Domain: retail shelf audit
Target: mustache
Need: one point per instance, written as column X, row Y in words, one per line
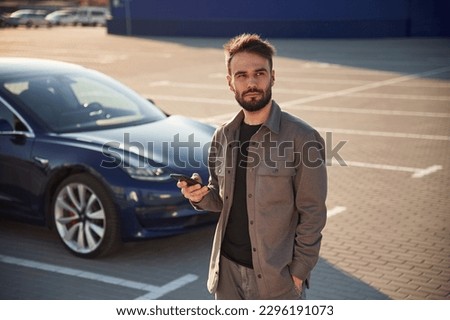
column 253, row 91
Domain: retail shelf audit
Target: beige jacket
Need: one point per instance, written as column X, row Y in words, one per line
column 286, row 192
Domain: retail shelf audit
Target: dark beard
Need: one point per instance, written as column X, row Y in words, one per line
column 255, row 105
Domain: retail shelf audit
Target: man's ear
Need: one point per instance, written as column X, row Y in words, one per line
column 272, row 80
column 229, row 83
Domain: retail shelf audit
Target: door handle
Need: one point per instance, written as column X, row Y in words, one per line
column 43, row 162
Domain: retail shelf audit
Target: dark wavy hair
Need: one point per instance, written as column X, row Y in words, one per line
column 248, row 43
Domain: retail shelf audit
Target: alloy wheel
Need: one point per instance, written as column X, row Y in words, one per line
column 80, row 218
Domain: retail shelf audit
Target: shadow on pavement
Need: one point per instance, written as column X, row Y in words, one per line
column 330, row 283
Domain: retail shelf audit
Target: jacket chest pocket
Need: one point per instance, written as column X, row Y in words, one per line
column 275, row 184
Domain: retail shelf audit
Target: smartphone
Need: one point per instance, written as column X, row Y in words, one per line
column 181, row 177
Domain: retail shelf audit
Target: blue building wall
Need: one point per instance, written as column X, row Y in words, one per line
column 281, row 18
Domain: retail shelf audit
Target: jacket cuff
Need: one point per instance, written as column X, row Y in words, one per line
column 300, row 271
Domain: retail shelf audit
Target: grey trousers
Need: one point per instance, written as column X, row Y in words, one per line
column 237, row 282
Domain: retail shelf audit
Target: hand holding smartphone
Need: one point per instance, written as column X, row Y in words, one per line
column 181, row 177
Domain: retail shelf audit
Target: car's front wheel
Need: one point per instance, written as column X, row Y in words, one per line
column 85, row 216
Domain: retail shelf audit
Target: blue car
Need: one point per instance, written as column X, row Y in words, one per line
column 92, row 159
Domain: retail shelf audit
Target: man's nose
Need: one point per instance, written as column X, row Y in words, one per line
column 252, row 82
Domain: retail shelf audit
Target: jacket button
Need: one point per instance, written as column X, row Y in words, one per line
column 259, row 276
column 251, row 222
column 250, row 195
column 254, row 249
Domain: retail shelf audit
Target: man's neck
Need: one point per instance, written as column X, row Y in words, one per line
column 257, row 117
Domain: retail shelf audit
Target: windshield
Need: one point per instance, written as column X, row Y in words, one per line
column 81, row 101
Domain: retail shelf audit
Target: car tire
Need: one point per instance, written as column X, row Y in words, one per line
column 85, row 217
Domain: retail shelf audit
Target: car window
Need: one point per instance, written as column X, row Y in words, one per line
column 81, row 102
column 6, row 119
column 17, row 86
column 9, row 121
column 90, row 91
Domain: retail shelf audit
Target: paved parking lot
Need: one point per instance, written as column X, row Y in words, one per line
column 383, row 106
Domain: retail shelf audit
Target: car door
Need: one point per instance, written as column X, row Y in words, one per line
column 16, row 142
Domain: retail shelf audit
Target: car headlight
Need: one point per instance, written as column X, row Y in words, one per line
column 146, row 173
column 135, row 165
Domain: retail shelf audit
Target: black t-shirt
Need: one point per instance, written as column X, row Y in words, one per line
column 236, row 244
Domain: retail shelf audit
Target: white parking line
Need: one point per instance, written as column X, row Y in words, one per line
column 154, row 292
column 416, row 172
column 400, row 96
column 313, row 93
column 357, row 82
column 371, row 111
column 169, row 287
column 359, row 72
column 372, row 85
column 191, row 99
column 219, row 119
column 336, row 210
column 300, row 107
column 386, row 134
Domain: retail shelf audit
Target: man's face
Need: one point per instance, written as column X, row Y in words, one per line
column 251, row 80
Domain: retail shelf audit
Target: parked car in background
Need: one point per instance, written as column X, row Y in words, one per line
column 63, row 17
column 93, row 16
column 29, row 18
column 89, row 157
